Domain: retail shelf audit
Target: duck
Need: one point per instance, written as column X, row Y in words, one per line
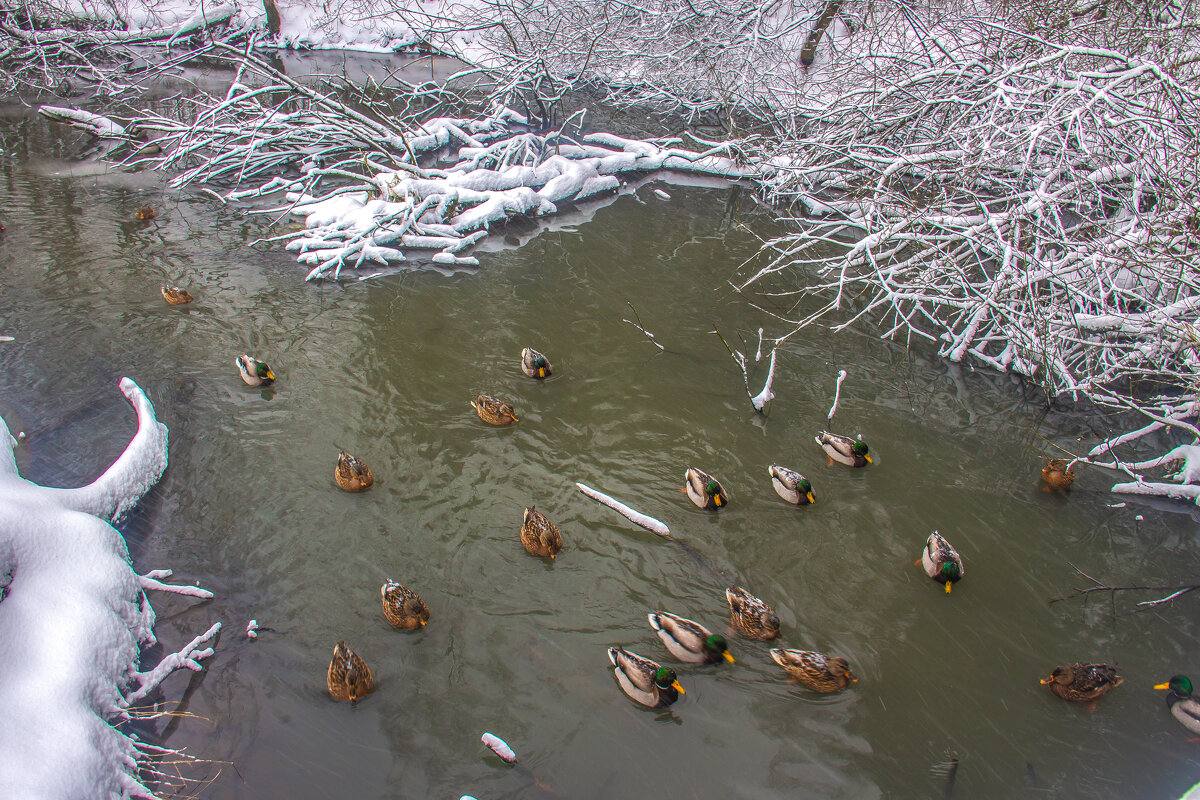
column 751, row 617
column 494, row 411
column 176, row 296
column 144, row 213
column 1184, row 707
column 349, row 677
column 1083, row 681
column 403, row 607
column 704, row 490
column 791, row 485
column 254, row 372
column 644, row 681
column 351, row 474
column 817, row 671
column 941, row 561
column 1057, row 476
column 689, row 641
column 534, row 364
column 843, row 449
column 539, row 535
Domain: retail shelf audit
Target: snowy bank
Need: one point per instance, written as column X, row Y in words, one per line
column 73, row 619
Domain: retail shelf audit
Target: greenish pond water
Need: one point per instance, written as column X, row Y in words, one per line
column 516, row 646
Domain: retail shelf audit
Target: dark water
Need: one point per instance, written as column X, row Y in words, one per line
column 516, row 646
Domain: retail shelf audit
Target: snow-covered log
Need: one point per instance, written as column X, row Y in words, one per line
column 73, row 618
column 95, row 124
column 636, row 517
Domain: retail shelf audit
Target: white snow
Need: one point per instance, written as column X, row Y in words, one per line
column 499, row 747
column 760, row 400
column 73, row 618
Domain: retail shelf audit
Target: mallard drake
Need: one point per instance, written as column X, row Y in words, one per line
column 351, row 474
column 751, row 617
column 689, row 641
column 176, row 296
column 644, row 681
column 534, row 364
column 791, row 485
column 843, row 449
column 254, row 372
column 349, row 677
column 817, row 671
column 704, row 490
column 144, row 213
column 941, row 561
column 403, row 607
column 1184, row 707
column 493, row 411
column 1083, row 681
column 1057, row 476
column 539, row 535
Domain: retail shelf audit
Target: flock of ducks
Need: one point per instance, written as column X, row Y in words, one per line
column 648, row 682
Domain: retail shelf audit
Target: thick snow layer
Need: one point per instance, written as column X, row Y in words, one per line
column 73, row 617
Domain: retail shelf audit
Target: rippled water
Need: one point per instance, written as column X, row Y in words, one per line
column 516, row 646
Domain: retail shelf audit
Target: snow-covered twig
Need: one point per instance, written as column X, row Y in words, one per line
column 189, row 656
column 150, row 581
column 638, row 325
column 760, row 400
column 837, row 391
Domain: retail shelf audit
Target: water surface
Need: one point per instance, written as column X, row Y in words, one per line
column 386, row 367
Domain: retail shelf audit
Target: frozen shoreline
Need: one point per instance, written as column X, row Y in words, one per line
column 74, row 618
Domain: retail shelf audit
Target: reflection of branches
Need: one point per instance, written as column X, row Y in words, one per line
column 1174, row 591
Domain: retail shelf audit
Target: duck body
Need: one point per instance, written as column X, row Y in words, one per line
column 254, row 372
column 494, row 411
column 351, row 474
column 704, row 490
column 1083, row 682
column 791, row 485
column 843, row 449
column 534, row 364
column 942, row 562
column 1057, row 476
column 176, row 296
column 403, row 607
column 1183, row 707
column 349, row 677
column 689, row 641
column 750, row 616
column 539, row 535
column 644, row 681
column 817, row 671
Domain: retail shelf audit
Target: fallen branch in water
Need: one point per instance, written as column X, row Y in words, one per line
column 1174, row 591
column 638, row 325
